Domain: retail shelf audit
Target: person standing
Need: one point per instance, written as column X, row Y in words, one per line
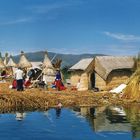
column 58, row 79
column 19, row 78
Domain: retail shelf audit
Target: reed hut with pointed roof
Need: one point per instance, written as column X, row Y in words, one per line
column 11, row 66
column 23, row 61
column 48, row 69
column 103, row 72
column 11, row 62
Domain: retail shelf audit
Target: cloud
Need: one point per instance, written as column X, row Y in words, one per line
column 123, row 37
column 35, row 12
column 17, row 21
column 47, row 8
column 43, row 9
column 119, row 49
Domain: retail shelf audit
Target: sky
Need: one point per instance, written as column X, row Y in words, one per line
column 109, row 27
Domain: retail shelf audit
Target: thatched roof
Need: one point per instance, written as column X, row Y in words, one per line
column 11, row 63
column 48, row 68
column 82, row 64
column 105, row 64
column 23, row 62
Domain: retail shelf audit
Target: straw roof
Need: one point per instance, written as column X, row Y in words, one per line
column 105, row 64
column 82, row 64
column 48, row 68
column 11, row 63
column 47, row 62
column 23, row 62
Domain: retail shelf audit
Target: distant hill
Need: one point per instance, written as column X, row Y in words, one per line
column 67, row 59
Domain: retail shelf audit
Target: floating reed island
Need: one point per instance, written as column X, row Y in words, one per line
column 36, row 98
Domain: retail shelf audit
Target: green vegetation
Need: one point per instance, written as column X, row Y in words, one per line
column 66, row 72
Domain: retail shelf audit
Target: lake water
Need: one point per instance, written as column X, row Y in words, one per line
column 102, row 123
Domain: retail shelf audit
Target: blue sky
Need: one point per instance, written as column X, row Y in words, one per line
column 70, row 26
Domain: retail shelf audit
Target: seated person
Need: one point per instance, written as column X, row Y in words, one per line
column 41, row 84
column 54, row 85
column 27, row 82
column 14, row 84
column 3, row 74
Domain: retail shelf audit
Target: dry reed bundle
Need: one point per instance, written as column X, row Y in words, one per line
column 132, row 90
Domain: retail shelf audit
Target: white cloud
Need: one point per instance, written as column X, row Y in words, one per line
column 123, row 37
column 117, row 49
column 47, row 8
column 17, row 21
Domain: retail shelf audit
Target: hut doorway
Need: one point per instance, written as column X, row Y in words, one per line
column 92, row 80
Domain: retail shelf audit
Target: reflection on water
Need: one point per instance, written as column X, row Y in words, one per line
column 106, row 119
column 20, row 116
column 113, row 119
column 58, row 112
column 101, row 123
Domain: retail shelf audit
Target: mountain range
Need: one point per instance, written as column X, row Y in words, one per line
column 67, row 59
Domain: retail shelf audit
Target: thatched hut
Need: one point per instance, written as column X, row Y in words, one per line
column 24, row 62
column 48, row 69
column 11, row 65
column 80, row 72
column 103, row 72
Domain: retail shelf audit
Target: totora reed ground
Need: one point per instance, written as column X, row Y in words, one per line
column 37, row 98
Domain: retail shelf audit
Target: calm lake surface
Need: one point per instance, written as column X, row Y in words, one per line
column 102, row 123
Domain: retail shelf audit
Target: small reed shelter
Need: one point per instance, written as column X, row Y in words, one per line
column 102, row 72
column 23, row 61
column 48, row 69
column 11, row 62
column 11, row 65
